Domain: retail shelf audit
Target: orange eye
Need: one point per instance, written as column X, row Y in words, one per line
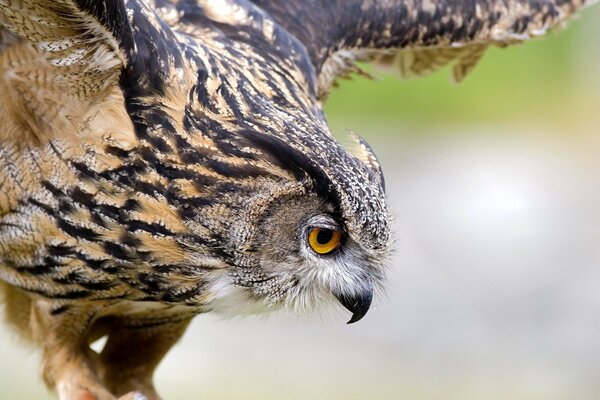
column 324, row 241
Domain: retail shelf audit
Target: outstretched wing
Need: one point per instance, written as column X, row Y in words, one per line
column 414, row 36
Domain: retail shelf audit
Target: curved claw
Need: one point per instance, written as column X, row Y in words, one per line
column 133, row 396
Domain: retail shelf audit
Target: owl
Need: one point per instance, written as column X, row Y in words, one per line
column 165, row 158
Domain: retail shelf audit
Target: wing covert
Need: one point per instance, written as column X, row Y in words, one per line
column 85, row 37
column 58, row 59
column 414, row 37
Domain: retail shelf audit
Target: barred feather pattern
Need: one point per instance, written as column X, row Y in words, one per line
column 417, row 37
column 131, row 194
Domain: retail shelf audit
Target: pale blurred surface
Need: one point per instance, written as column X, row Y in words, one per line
column 493, row 292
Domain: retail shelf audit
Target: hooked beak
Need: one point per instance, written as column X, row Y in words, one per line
column 358, row 304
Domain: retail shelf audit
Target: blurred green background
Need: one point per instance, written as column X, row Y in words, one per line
column 494, row 185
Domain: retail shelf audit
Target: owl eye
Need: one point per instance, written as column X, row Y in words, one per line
column 324, row 241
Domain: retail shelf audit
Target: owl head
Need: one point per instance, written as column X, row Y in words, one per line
column 316, row 230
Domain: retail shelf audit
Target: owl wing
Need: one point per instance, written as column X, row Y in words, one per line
column 59, row 60
column 414, row 37
column 86, row 40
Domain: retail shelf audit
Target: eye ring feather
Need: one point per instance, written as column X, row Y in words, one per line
column 324, row 241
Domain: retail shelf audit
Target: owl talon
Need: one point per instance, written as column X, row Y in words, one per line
column 133, row 396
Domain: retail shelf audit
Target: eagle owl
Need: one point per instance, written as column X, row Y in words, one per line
column 165, row 158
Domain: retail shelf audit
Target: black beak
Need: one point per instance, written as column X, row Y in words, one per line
column 359, row 304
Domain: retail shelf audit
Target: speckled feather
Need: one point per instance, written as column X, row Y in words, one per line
column 143, row 143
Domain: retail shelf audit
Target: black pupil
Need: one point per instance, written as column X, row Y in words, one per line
column 324, row 236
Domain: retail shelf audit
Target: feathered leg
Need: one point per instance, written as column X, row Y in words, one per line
column 132, row 353
column 68, row 364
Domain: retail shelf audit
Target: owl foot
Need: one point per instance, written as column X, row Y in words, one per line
column 86, row 394
column 133, row 396
column 79, row 391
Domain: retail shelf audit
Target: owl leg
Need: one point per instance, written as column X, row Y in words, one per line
column 68, row 364
column 132, row 353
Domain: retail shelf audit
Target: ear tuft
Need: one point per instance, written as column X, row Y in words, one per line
column 364, row 153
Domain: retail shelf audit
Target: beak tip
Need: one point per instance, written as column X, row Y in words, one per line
column 358, row 305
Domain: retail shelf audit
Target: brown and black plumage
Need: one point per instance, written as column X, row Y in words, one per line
column 160, row 159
